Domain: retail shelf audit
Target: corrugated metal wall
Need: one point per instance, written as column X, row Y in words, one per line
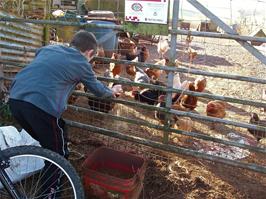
column 13, row 38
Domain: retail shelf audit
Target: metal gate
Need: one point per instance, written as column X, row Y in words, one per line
column 164, row 141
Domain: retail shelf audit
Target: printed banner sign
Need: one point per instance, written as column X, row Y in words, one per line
column 147, row 11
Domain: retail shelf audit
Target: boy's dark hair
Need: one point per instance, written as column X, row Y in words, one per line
column 84, row 40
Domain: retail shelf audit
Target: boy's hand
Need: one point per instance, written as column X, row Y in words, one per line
column 117, row 90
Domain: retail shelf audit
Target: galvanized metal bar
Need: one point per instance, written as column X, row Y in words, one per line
column 166, row 68
column 167, row 147
column 161, row 88
column 185, row 70
column 180, row 113
column 170, row 130
column 181, row 32
column 168, row 104
column 228, row 30
column 197, row 94
column 214, row 120
column 218, row 35
column 62, row 23
column 174, row 27
column 170, row 76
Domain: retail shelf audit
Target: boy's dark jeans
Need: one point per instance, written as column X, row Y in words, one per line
column 48, row 130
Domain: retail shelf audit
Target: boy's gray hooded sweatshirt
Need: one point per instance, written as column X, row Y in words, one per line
column 51, row 77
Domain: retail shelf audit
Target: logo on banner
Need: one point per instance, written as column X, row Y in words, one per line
column 136, row 7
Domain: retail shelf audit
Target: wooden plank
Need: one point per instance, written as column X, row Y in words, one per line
column 228, row 30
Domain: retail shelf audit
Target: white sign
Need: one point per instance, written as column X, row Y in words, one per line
column 148, row 11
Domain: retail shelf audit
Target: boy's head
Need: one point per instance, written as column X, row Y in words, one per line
column 85, row 42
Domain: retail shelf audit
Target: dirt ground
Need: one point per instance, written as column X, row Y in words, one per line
column 175, row 176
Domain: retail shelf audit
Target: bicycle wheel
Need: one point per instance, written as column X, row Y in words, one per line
column 34, row 170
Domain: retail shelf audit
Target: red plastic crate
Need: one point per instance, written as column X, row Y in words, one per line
column 113, row 174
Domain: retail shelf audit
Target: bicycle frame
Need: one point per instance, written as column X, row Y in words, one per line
column 5, row 180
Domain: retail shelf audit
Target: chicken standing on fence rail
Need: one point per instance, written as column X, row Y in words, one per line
column 254, row 119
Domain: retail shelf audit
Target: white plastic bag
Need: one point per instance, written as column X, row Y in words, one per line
column 19, row 168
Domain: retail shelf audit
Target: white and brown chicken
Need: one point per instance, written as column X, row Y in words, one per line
column 162, row 47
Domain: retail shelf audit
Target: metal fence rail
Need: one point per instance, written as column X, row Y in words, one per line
column 197, row 94
column 172, row 130
column 180, row 113
column 167, row 147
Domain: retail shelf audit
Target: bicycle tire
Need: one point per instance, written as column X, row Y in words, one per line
column 32, row 154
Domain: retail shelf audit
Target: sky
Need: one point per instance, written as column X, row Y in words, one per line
column 228, row 10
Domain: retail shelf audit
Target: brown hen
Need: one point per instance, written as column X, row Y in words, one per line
column 200, row 84
column 144, row 54
column 216, row 109
column 254, row 119
column 131, row 69
column 115, row 68
column 73, row 98
column 189, row 101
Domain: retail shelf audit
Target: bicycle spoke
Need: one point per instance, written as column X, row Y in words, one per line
column 41, row 175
